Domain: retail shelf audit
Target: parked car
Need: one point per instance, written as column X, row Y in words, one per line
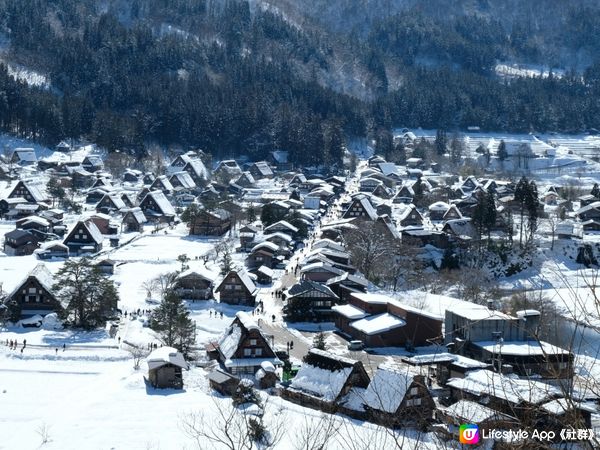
column 356, row 345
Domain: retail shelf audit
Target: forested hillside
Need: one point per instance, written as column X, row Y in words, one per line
column 236, row 77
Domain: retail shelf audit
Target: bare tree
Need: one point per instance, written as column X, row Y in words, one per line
column 229, row 427
column 138, row 354
column 315, row 433
column 44, row 432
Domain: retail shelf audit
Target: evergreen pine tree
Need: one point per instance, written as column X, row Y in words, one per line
column 441, row 141
column 172, row 322
column 502, row 153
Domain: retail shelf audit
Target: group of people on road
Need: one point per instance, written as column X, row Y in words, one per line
column 13, row 344
column 211, row 312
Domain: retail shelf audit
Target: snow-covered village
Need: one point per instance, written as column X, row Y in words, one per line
column 256, row 304
column 299, row 224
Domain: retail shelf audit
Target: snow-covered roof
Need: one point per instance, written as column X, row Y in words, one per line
column 205, row 274
column 323, row 383
column 198, row 168
column 43, row 276
column 513, row 390
column 161, row 201
column 25, row 154
column 278, row 235
column 93, row 231
column 265, row 244
column 475, row 312
column 349, row 311
column 247, row 281
column 184, row 179
column 229, row 341
column 304, row 286
column 369, row 297
column 560, row 406
column 266, row 271
column 247, row 321
column 165, row 355
column 388, row 388
column 379, row 323
column 472, row 412
column 521, row 348
column 439, row 207
column 323, row 267
column 282, row 223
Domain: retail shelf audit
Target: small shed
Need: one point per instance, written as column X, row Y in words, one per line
column 223, row 382
column 165, row 366
column 106, row 266
column 266, row 375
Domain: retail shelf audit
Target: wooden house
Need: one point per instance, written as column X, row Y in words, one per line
column 211, row 223
column 163, row 184
column 243, row 347
column 397, row 395
column 165, row 368
column 346, row 284
column 85, row 237
column 262, row 254
column 247, row 235
column 52, row 250
column 92, row 163
column 227, row 169
column 197, row 171
column 182, row 181
column 325, row 380
column 35, row 294
column 23, row 156
column 194, row 285
column 156, row 207
column 110, row 203
column 452, row 213
column 282, row 226
column 261, row 170
column 20, row 242
column 509, row 395
column 266, row 376
column 380, row 321
column 360, row 207
column 264, row 275
column 222, row 382
column 237, row 288
column 28, row 191
column 133, row 220
column 245, row 180
column 589, row 212
column 106, row 266
column 132, row 175
column 404, row 195
column 465, row 411
column 308, row 301
column 410, row 217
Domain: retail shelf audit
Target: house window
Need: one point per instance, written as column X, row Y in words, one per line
column 258, row 352
column 247, row 352
column 409, row 403
column 563, row 365
column 84, row 236
column 253, row 342
column 32, row 290
column 414, row 391
column 417, row 402
column 229, row 287
column 238, row 287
